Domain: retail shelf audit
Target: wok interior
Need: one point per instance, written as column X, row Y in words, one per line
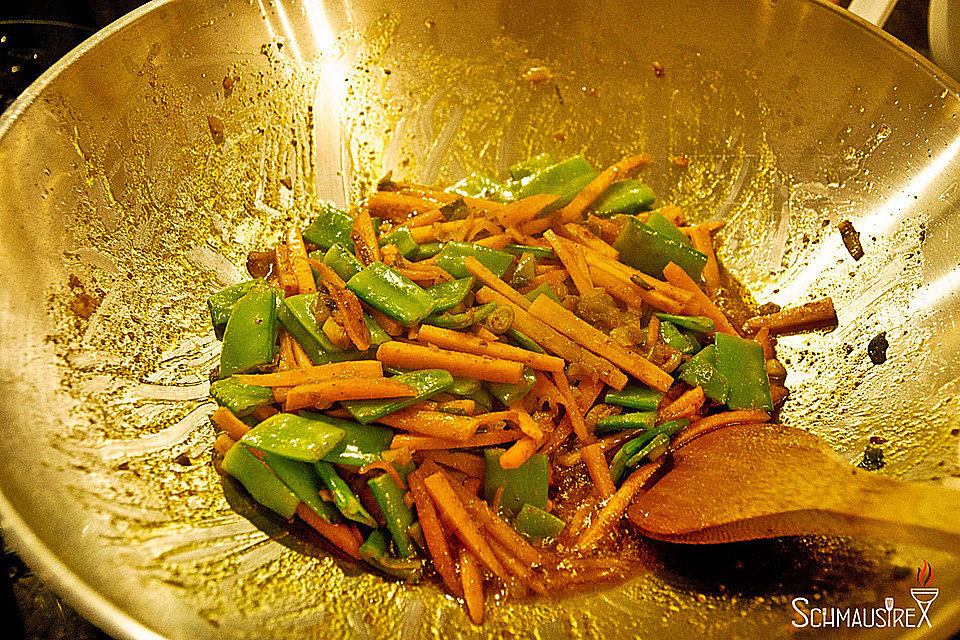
column 143, row 175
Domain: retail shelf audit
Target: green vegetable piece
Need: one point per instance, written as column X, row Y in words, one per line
column 427, row 250
column 524, row 341
column 375, row 553
column 546, row 290
column 221, row 304
column 427, row 382
column 451, row 258
column 534, row 522
column 643, row 248
column 293, row 436
column 297, row 315
column 701, row 371
column 660, row 440
column 666, row 228
column 346, row 500
column 303, row 480
column 377, row 335
column 402, row 239
column 361, row 443
column 624, row 196
column 699, row 324
column 399, row 516
column 531, row 166
column 632, row 448
column 468, row 318
column 330, row 227
column 250, row 339
column 635, row 397
column 522, row 249
column 472, row 390
column 559, row 179
column 527, row 484
column 395, row 295
column 240, row 398
column 342, row 261
column 449, row 294
column 265, row 487
column 478, row 185
column 510, row 392
column 640, row 420
column 741, row 363
column 672, row 337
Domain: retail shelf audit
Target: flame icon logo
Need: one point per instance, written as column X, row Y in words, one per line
column 924, row 574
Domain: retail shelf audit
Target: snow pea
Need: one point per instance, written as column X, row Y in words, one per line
column 262, row 484
column 698, row 324
column 510, row 392
column 342, row 261
column 293, row 436
column 536, row 523
column 249, row 341
column 530, row 166
column 449, row 294
column 346, row 500
column 526, row 270
column 468, row 318
column 402, row 239
column 672, row 336
column 395, row 295
column 221, row 304
column 523, row 341
column 331, row 226
column 546, row 290
column 297, row 314
column 303, row 480
column 628, row 196
column 741, row 362
column 701, row 371
column 638, row 420
column 374, row 552
column 633, row 451
column 361, row 443
column 527, row 484
column 399, row 516
column 427, row 382
column 427, row 250
column 451, row 258
column 472, row 390
column 520, row 249
column 565, row 179
column 666, row 228
column 649, row 251
column 635, row 397
column 240, row 398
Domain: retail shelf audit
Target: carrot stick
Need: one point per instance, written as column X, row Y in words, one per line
column 455, row 514
column 490, row 279
column 614, row 509
column 457, row 341
column 223, row 444
column 625, row 271
column 497, row 241
column 496, row 526
column 365, row 244
column 583, row 236
column 555, row 342
column 424, row 443
column 496, row 416
column 606, row 444
column 678, row 277
column 552, row 278
column 592, row 456
column 338, row 534
column 653, row 333
column 526, row 209
column 598, row 185
column 573, row 409
column 316, row 373
column 717, row 421
column 397, row 206
column 763, row 339
column 390, row 326
column 526, row 423
column 686, row 405
column 557, row 436
column 411, row 356
column 471, row 582
column 518, row 453
column 632, row 295
column 286, row 277
column 351, row 313
column 581, row 279
column 424, row 219
column 599, row 343
column 445, row 197
column 287, row 360
column 298, row 262
column 470, row 464
column 818, row 314
column 524, row 576
column 588, row 390
column 433, row 423
column 323, row 394
column 433, row 533
column 300, row 356
column 229, row 423
column 703, row 242
column 262, row 413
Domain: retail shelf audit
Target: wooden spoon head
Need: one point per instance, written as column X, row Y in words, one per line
column 747, row 482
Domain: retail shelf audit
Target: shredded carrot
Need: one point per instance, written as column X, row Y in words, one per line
column 456, row 341
column 365, row 245
column 717, row 421
column 424, row 219
column 496, row 416
column 685, row 406
column 653, row 333
column 626, row 291
column 316, row 373
column 339, row 535
column 287, row 360
column 286, row 277
column 298, row 262
column 524, row 575
column 497, row 241
column 558, row 436
column 703, row 242
column 385, row 466
column 470, row 464
column 262, row 413
column 223, row 444
column 483, row 333
column 497, row 527
column 300, row 356
column 490, row 279
column 423, row 443
column 229, row 423
column 433, row 534
column 397, row 207
column 583, row 236
column 526, row 209
column 593, row 458
column 763, row 339
column 615, row 507
column 445, row 197
column 464, row 406
column 553, row 278
column 471, row 581
column 323, row 394
column 526, row 423
column 573, row 409
column 598, row 185
column 454, row 512
column 581, row 278
column 390, row 326
column 518, row 453
column 588, row 391
column 433, row 423
column 567, row 323
column 280, row 394
column 678, row 277
column 818, row 314
column 412, row 356
column 351, row 313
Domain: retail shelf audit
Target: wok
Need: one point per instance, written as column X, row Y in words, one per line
column 135, row 177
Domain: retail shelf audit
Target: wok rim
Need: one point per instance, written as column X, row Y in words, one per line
column 57, row 575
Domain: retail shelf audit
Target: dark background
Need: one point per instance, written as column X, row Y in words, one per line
column 35, row 35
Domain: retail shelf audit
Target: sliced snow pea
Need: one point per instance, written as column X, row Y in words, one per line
column 427, row 382
column 427, row 250
column 395, row 295
column 265, row 487
column 346, row 500
column 297, row 314
column 222, row 303
column 523, row 341
column 639, row 420
column 302, row 479
column 342, row 261
column 449, row 294
column 521, row 249
column 510, row 392
column 250, row 339
column 468, row 318
column 742, row 364
column 699, row 324
column 293, row 436
column 634, row 450
column 451, row 258
column 240, row 398
column 374, row 552
column 527, row 484
column 643, row 248
column 331, row 226
column 546, row 290
column 399, row 516
column 536, row 523
column 635, row 397
column 402, row 239
column 628, row 196
column 664, row 227
column 564, row 179
column 530, row 166
column 361, row 443
column 672, row 336
column 701, row 371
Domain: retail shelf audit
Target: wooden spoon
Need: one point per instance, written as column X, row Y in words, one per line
column 765, row 481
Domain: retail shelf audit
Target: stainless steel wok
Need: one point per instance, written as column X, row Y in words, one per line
column 137, row 172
